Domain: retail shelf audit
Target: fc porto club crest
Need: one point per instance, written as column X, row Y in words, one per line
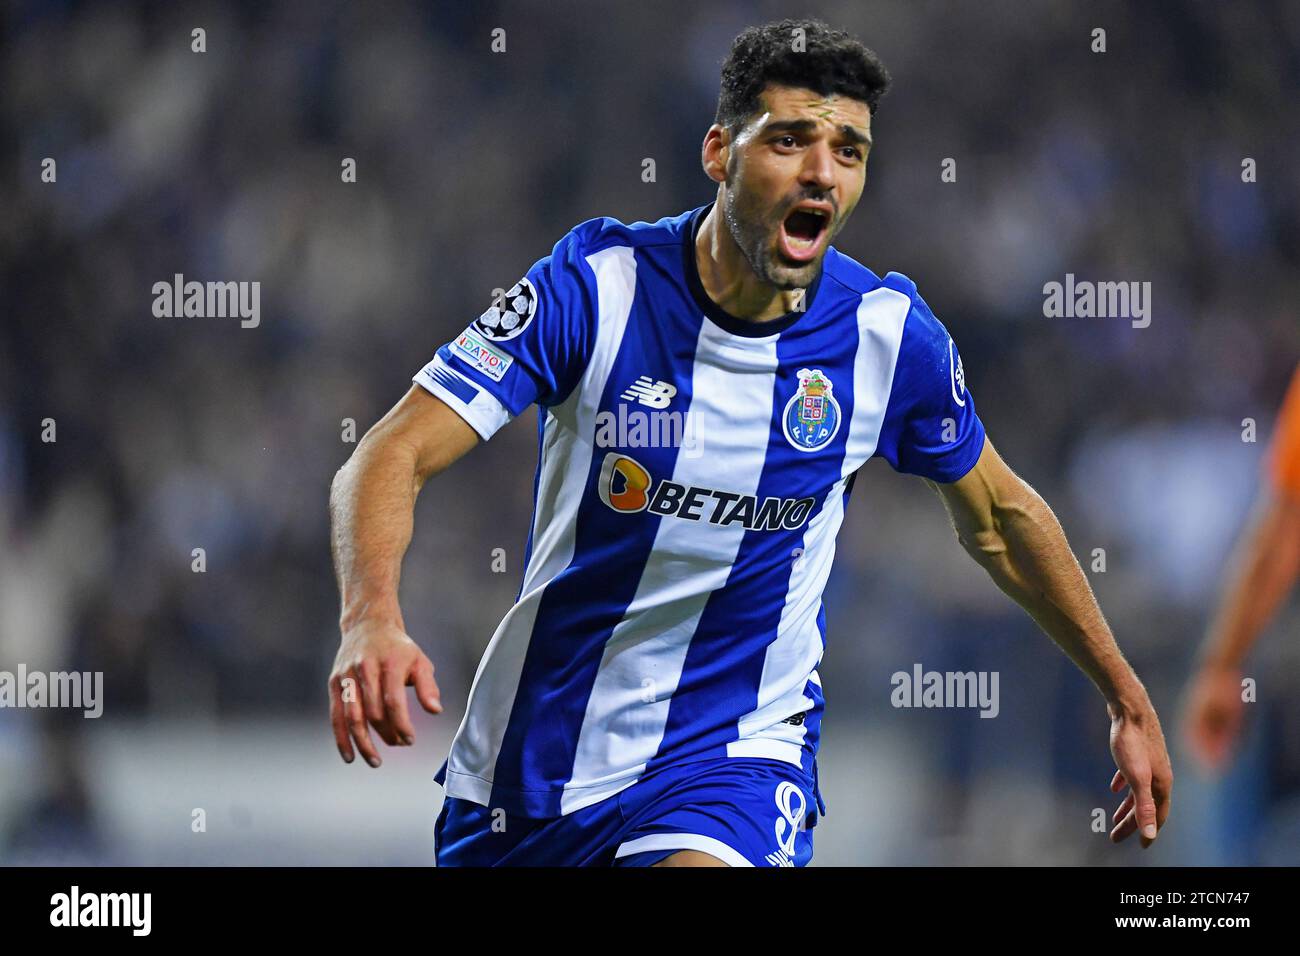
column 812, row 416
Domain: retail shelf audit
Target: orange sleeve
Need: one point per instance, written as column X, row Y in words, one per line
column 1283, row 461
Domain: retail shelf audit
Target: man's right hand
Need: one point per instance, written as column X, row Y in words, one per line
column 372, row 513
column 375, row 664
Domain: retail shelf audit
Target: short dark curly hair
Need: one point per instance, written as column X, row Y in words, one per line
column 830, row 62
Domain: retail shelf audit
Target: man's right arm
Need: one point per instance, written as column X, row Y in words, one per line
column 1265, row 566
column 372, row 506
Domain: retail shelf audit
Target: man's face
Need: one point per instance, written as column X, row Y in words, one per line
column 794, row 174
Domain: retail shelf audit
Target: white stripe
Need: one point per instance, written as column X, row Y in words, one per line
column 683, row 841
column 787, row 750
column 621, row 728
column 796, row 651
column 565, row 463
column 881, row 315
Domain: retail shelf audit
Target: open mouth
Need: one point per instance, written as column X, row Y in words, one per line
column 802, row 233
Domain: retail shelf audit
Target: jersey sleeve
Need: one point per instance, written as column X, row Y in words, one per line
column 1282, row 462
column 930, row 426
column 529, row 346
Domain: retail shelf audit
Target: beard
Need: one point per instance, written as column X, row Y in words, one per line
column 754, row 228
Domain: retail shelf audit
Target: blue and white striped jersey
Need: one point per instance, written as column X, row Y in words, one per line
column 693, row 472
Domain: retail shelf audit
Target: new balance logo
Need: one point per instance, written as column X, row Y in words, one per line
column 650, row 393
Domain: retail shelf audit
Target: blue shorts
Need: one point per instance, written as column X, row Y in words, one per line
column 746, row 811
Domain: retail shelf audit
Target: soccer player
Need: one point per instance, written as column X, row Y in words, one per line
column 653, row 697
column 1264, row 569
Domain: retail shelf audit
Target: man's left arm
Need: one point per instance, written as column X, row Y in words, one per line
column 1013, row 534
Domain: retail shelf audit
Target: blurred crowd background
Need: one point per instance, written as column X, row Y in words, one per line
column 176, row 434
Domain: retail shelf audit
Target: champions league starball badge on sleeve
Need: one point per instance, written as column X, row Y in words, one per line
column 509, row 317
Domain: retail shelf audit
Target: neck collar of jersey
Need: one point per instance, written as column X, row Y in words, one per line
column 730, row 323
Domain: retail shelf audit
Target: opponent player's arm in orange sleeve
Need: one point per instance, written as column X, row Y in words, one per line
column 1263, row 569
column 372, row 506
column 1011, row 531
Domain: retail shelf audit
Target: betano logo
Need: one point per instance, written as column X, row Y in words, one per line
column 625, row 486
